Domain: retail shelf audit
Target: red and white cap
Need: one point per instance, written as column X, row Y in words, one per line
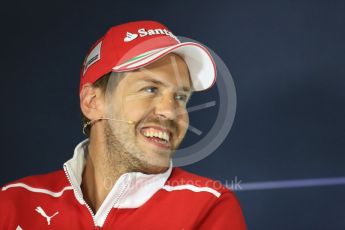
column 134, row 45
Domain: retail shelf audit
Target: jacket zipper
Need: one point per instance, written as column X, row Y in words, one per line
column 116, row 200
column 81, row 198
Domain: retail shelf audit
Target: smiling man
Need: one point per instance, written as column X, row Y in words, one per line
column 135, row 84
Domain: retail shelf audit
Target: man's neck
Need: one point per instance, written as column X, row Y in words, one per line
column 99, row 175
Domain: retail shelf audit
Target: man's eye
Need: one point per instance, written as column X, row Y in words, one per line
column 181, row 97
column 150, row 89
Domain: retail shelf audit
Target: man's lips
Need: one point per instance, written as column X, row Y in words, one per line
column 158, row 128
column 159, row 136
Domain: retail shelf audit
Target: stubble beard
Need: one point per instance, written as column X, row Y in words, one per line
column 122, row 152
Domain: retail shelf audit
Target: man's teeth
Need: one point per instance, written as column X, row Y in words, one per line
column 162, row 135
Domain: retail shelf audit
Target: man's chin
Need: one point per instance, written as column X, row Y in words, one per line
column 154, row 167
column 153, row 164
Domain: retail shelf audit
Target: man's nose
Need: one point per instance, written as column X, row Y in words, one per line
column 166, row 108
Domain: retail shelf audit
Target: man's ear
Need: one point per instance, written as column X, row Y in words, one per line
column 91, row 102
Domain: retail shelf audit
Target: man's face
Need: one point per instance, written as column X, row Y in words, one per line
column 155, row 98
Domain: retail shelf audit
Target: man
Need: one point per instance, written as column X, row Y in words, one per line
column 135, row 84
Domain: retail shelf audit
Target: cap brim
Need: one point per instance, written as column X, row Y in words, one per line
column 200, row 63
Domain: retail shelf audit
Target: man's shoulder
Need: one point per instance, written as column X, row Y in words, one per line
column 51, row 183
column 19, row 199
column 182, row 179
column 208, row 199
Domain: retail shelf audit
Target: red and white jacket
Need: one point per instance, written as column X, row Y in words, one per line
column 174, row 199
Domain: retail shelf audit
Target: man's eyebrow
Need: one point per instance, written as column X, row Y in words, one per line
column 157, row 82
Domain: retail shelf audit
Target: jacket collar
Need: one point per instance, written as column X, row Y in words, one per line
column 135, row 187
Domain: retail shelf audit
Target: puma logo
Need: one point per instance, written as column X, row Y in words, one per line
column 48, row 218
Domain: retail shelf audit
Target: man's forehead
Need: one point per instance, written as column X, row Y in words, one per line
column 170, row 70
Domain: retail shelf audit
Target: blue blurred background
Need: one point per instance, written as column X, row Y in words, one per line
column 287, row 60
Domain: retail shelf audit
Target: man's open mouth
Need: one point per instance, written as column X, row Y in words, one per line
column 157, row 135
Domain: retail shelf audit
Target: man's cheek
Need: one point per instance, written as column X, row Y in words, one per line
column 133, row 113
column 138, row 107
column 182, row 132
